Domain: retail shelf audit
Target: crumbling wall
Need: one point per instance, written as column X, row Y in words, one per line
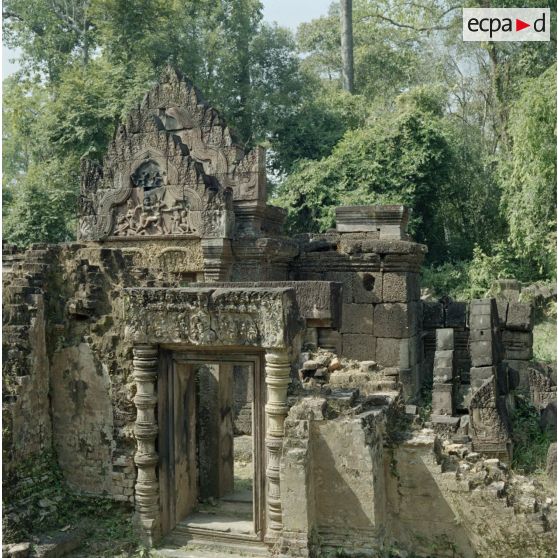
column 381, row 318
column 25, row 379
column 82, row 419
column 445, row 500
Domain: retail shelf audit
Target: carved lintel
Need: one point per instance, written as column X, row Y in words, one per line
column 277, row 369
column 145, row 365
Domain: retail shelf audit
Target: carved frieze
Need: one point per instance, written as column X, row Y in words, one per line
column 255, row 317
column 489, row 422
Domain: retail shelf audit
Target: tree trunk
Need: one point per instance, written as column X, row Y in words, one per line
column 347, row 44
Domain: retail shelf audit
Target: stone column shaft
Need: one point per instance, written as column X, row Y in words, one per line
column 145, row 366
column 277, row 370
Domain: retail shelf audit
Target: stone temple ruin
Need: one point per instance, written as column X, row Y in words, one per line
column 244, row 390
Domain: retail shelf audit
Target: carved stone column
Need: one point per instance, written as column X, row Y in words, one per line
column 277, row 378
column 147, row 487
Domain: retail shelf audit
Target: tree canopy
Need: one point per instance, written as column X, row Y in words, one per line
column 463, row 133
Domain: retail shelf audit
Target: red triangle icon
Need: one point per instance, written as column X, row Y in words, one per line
column 519, row 24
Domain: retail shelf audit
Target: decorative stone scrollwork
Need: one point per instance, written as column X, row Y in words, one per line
column 145, row 365
column 277, row 378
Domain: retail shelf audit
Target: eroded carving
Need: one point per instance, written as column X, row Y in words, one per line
column 255, row 317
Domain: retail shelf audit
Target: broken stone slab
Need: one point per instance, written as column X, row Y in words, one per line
column 59, row 545
column 390, row 221
column 520, row 316
column 16, row 550
column 447, row 420
column 368, row 366
column 335, row 364
column 444, row 339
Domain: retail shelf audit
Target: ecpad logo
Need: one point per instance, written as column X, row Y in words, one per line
column 506, row 24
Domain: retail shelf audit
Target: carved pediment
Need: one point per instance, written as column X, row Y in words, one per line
column 169, row 168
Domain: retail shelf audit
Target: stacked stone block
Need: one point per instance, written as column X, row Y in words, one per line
column 484, row 343
column 516, row 324
column 443, row 387
column 447, row 313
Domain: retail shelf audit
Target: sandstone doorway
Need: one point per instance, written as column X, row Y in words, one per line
column 211, row 445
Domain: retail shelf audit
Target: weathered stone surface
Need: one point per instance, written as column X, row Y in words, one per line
column 551, row 462
column 395, row 320
column 388, row 220
column 390, row 351
column 316, row 300
column 444, row 339
column 480, row 374
column 265, row 317
column 357, row 318
column 400, row 287
column 520, row 316
column 367, row 287
column 548, row 419
column 518, row 345
column 359, row 346
column 433, row 315
column 82, row 416
column 442, row 399
column 456, row 314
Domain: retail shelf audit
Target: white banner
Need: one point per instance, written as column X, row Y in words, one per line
column 506, row 24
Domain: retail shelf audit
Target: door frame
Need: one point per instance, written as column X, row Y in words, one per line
column 168, row 361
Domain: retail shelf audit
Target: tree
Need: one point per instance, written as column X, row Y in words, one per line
column 528, row 174
column 347, row 44
column 78, row 82
column 399, row 157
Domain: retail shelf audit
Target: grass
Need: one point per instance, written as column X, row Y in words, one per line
column 544, row 340
column 530, row 442
column 109, row 531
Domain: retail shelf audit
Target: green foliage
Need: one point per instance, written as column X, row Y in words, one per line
column 463, row 133
column 315, row 125
column 529, row 174
column 399, row 157
column 44, row 203
column 544, row 340
column 530, row 442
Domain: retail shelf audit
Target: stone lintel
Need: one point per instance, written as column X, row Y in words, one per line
column 317, row 300
column 260, row 317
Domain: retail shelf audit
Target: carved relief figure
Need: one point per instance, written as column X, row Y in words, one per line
column 126, row 224
column 149, row 176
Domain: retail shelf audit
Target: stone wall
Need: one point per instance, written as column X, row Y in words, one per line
column 25, row 386
column 381, row 313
